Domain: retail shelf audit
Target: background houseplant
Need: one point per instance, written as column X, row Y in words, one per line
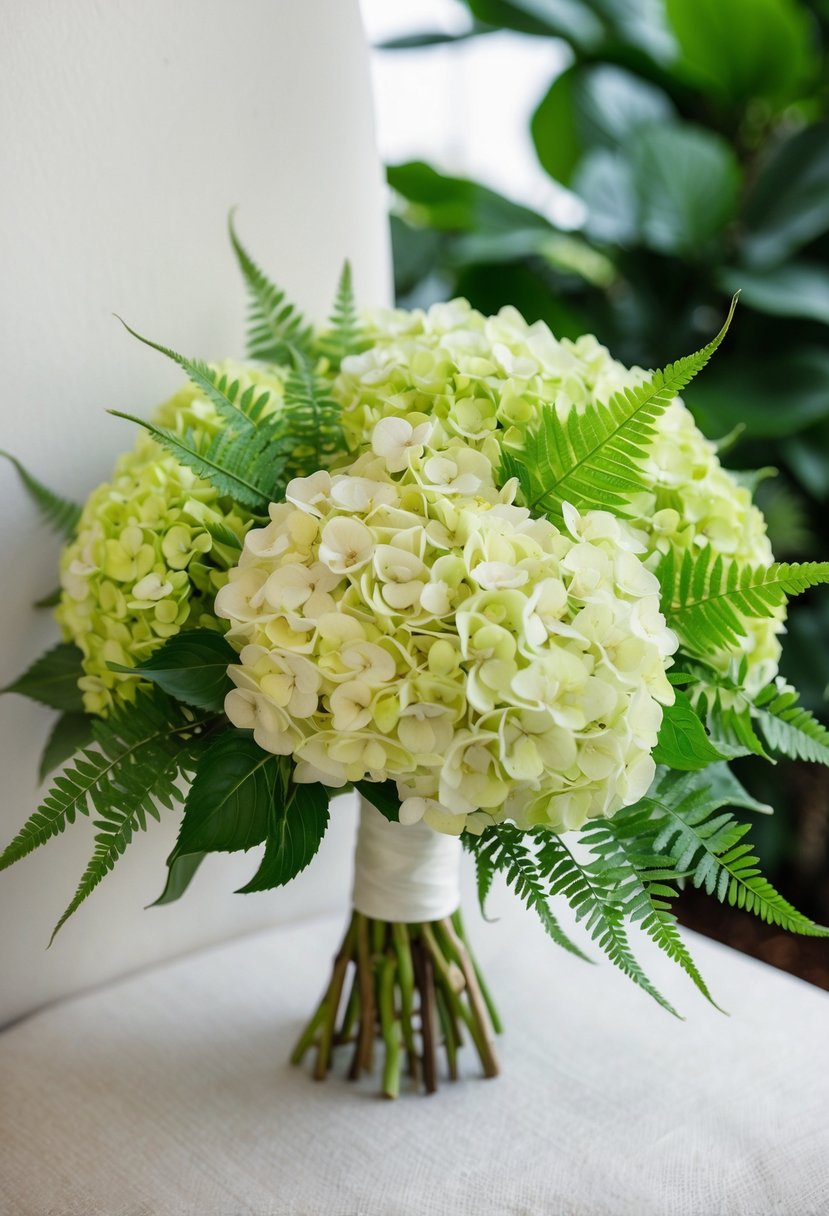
column 695, row 137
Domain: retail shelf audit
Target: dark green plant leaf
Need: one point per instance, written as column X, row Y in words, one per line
column 604, row 182
column 456, row 204
column 795, row 289
column 180, row 873
column 593, row 106
column 788, row 205
column 59, row 513
column 191, row 667
column 53, row 679
column 49, row 601
column 738, row 50
column 296, row 826
column 231, row 797
column 382, row 795
column 71, row 732
column 687, row 182
column 683, row 742
column 570, row 19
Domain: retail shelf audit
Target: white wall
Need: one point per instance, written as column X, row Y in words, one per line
column 128, row 130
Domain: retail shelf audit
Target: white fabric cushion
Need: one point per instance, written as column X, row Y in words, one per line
column 169, row 1094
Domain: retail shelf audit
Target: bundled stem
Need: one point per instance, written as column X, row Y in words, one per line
column 415, row 987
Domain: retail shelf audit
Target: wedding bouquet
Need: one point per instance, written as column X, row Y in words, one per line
column 496, row 583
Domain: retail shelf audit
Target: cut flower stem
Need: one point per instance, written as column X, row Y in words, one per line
column 412, row 987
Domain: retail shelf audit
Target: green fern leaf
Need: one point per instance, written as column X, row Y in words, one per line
column 239, row 409
column 237, row 467
column 276, row 329
column 788, row 728
column 645, row 887
column 503, row 850
column 309, row 434
column 161, row 767
column 708, row 599
column 594, row 892
column 59, row 513
column 344, row 335
column 592, row 459
column 118, row 771
column 690, row 825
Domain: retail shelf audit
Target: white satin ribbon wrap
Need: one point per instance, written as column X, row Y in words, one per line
column 406, row 874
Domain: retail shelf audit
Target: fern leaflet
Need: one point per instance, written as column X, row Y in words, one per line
column 344, row 335
column 592, row 459
column 276, row 329
column 59, row 513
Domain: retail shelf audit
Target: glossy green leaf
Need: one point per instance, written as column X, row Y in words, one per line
column 570, row 19
column 382, row 795
column 743, row 49
column 683, row 742
column 593, row 106
column 229, row 803
column 457, row 204
column 604, row 181
column 795, row 289
column 686, row 181
column 788, row 205
column 296, row 826
column 181, row 870
column 192, row 667
column 53, row 679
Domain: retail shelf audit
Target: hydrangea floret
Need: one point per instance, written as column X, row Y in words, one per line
column 402, row 618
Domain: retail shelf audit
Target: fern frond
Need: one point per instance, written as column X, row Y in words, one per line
column 503, row 850
column 162, row 767
column 645, row 889
column 592, row 891
column 59, row 513
column 592, row 459
column 708, row 599
column 240, row 466
column 276, row 329
column 344, row 335
column 238, row 409
column 309, row 434
column 119, row 770
column 788, row 728
column 689, row 824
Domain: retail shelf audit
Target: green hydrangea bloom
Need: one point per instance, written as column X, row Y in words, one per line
column 484, row 380
column 142, row 563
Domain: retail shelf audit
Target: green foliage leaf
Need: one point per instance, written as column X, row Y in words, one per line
column 683, row 742
column 592, row 891
column 592, row 106
column 59, row 513
column 502, row 849
column 592, row 460
column 344, row 335
column 71, row 732
column 180, row 873
column 53, row 679
column 788, row 728
column 296, row 825
column 276, row 329
column 795, row 289
column 708, row 600
column 738, row 50
column 139, row 753
column 788, row 205
column 229, row 801
column 686, row 181
column 750, row 390
column 455, row 204
column 191, row 667
column 383, row 797
column 687, row 823
column 604, row 182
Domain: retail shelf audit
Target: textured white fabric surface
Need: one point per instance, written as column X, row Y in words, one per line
column 168, row 1094
column 402, row 873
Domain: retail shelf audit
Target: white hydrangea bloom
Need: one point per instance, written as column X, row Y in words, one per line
column 492, row 665
column 483, row 379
